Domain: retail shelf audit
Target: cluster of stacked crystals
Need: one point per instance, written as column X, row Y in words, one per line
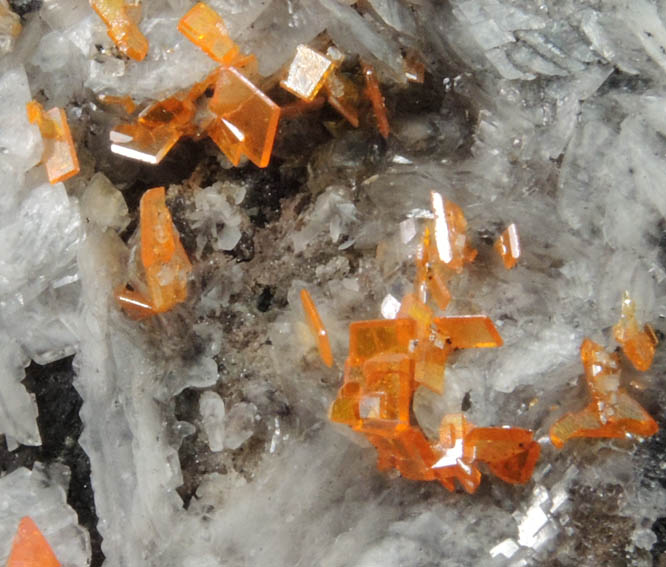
column 30, row 548
column 612, row 412
column 389, row 359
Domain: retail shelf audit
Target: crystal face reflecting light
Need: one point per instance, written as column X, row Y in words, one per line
column 307, row 73
column 30, row 548
column 122, row 20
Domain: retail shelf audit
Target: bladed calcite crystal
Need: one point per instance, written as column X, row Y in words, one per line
column 508, row 246
column 30, row 548
column 612, row 412
column 204, row 27
column 307, row 73
column 122, row 20
column 374, row 93
column 247, row 119
column 317, row 328
column 638, row 345
column 59, row 155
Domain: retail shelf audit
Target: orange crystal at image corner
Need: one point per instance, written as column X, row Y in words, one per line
column 204, row 27
column 59, row 155
column 612, row 412
column 638, row 345
column 122, row 20
column 30, row 548
column 508, row 246
column 317, row 328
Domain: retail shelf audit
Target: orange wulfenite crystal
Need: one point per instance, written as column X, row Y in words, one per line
column 375, row 95
column 165, row 263
column 307, row 73
column 469, row 331
column 30, row 548
column 134, row 304
column 125, row 102
column 449, row 243
column 140, row 142
column 317, row 328
column 414, row 67
column 612, row 413
column 456, row 460
column 122, row 18
column 638, row 345
column 247, row 119
column 344, row 96
column 59, row 155
column 205, row 28
column 508, row 246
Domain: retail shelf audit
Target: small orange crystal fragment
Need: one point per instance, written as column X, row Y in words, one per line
column 142, row 142
column 414, row 67
column 134, row 304
column 247, row 119
column 508, row 246
column 30, row 548
column 612, row 413
column 307, row 73
column 317, row 328
column 122, row 18
column 375, row 95
column 59, row 155
column 204, row 27
column 344, row 96
column 449, row 243
column 125, row 102
column 10, row 26
column 469, row 331
column 638, row 345
column 456, row 460
column 165, row 262
column 300, row 107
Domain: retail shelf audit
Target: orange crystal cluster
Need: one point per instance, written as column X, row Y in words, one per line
column 389, row 359
column 612, row 412
column 165, row 263
column 59, row 155
column 30, row 548
column 122, row 20
column 226, row 106
column 311, row 71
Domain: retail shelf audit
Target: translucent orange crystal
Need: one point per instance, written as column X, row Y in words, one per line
column 307, row 73
column 247, row 119
column 456, row 460
column 125, row 102
column 637, row 344
column 317, row 328
column 165, row 262
column 508, row 246
column 206, row 29
column 59, row 155
column 414, row 67
column 134, row 304
column 122, row 20
column 343, row 95
column 143, row 143
column 612, row 412
column 376, row 99
column 469, row 331
column 30, row 548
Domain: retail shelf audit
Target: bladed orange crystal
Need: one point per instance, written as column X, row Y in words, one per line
column 638, row 345
column 59, row 155
column 204, row 27
column 317, row 328
column 134, row 304
column 374, row 93
column 469, row 331
column 30, row 548
column 343, row 95
column 612, row 412
column 122, row 20
column 508, row 246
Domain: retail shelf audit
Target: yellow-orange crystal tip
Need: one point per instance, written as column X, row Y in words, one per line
column 449, row 243
column 612, row 412
column 134, row 304
column 165, row 262
column 317, row 328
column 204, row 27
column 59, row 154
column 508, row 246
column 247, row 119
column 122, row 18
column 376, row 99
column 307, row 73
column 638, row 345
column 30, row 548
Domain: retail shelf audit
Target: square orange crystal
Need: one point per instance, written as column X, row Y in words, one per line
column 307, row 73
column 165, row 262
column 372, row 338
column 204, row 27
column 469, row 331
column 59, row 155
column 247, row 119
column 121, row 19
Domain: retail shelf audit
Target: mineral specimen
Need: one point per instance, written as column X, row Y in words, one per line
column 508, row 246
column 612, row 412
column 10, row 27
column 59, row 155
column 638, row 345
column 317, row 328
column 30, row 548
column 374, row 93
column 205, row 28
column 122, row 20
column 307, row 73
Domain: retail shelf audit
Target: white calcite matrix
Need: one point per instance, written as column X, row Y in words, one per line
column 206, row 428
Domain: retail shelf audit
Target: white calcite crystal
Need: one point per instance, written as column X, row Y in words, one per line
column 211, row 408
column 239, row 424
